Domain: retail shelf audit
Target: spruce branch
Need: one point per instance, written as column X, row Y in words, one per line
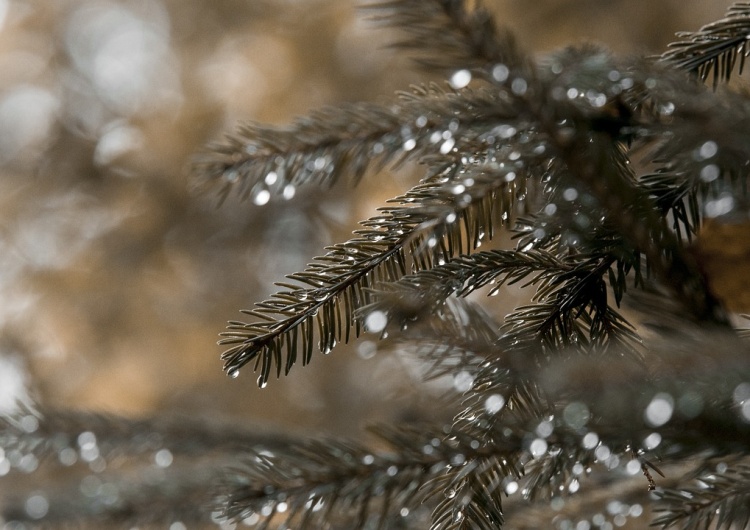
column 719, row 500
column 50, row 433
column 261, row 161
column 448, row 35
column 430, row 223
column 716, row 48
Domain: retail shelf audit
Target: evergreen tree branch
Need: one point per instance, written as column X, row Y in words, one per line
column 429, row 224
column 718, row 47
column 448, row 35
column 720, row 500
column 50, row 433
column 262, row 161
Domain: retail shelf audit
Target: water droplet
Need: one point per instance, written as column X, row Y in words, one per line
column 367, row 349
column 458, row 189
column 289, row 191
column 511, row 487
column 572, row 93
column 262, row 383
column 450, row 494
column 500, row 73
column 231, row 176
column 421, row 121
column 409, row 144
column 463, row 381
column 590, row 440
column 667, row 109
column 447, row 146
column 271, row 178
column 652, row 441
column 570, row 194
column 720, row 206
column 450, row 218
column 262, row 197
column 538, row 447
column 494, row 403
column 281, row 507
column 519, row 86
column 321, row 162
column 707, row 150
column 234, row 373
column 709, row 173
column 376, row 321
column 550, row 209
column 602, row 453
column 163, row 458
column 29, row 423
column 36, row 506
column 460, row 79
column 659, row 410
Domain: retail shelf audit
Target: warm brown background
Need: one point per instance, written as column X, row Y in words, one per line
column 114, row 277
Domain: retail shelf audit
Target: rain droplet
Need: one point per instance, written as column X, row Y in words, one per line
column 376, row 321
column 659, row 410
column 163, row 458
column 538, row 447
column 409, row 144
column 709, row 173
column 450, row 218
column 234, row 373
column 262, row 197
column 289, row 191
column 500, row 73
column 652, row 441
column 262, row 383
column 720, row 206
column 708, row 150
column 590, row 440
column 367, row 349
column 271, row 178
column 570, row 194
column 447, row 145
column 460, row 79
column 519, row 86
column 36, row 506
column 494, row 403
column 463, row 381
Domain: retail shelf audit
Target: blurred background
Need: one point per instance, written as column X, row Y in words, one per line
column 115, row 277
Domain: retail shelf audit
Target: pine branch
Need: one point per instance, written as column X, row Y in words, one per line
column 429, row 224
column 316, row 483
column 261, row 161
column 718, row 47
column 720, row 500
column 443, row 342
column 59, row 434
column 447, row 35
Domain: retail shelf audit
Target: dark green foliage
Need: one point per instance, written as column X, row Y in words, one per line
column 604, row 170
